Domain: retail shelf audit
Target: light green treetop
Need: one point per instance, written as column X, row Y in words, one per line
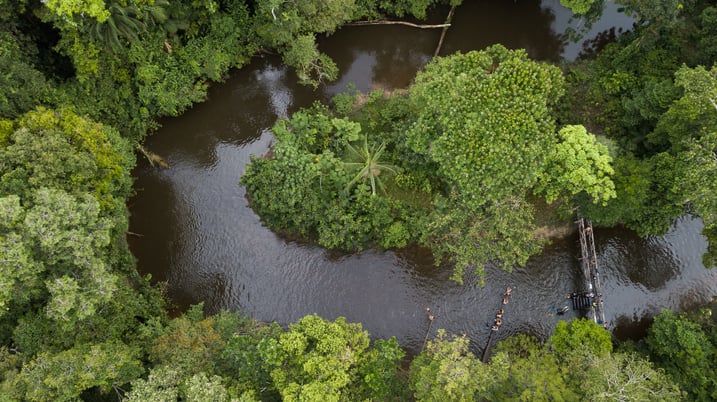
column 448, row 371
column 577, row 163
column 316, row 359
column 60, row 245
column 67, row 9
column 166, row 383
column 65, row 375
column 581, row 334
column 579, row 6
column 622, row 377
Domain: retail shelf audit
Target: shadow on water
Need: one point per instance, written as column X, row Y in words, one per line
column 199, row 235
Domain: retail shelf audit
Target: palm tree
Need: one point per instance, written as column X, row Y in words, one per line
column 368, row 165
column 126, row 23
column 123, row 24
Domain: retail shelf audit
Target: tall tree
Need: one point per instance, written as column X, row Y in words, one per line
column 316, row 359
column 686, row 353
column 531, row 372
column 447, row 370
column 66, row 375
column 63, row 218
column 690, row 125
column 485, row 120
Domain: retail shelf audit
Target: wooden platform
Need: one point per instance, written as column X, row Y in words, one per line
column 591, row 272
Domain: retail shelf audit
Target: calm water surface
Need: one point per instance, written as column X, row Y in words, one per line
column 199, row 235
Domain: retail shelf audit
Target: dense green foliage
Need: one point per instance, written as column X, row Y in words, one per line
column 652, row 95
column 228, row 358
column 578, row 163
column 125, row 63
column 686, row 352
column 71, row 299
column 447, row 370
column 455, row 160
column 460, row 162
column 82, row 83
column 484, row 120
column 523, row 369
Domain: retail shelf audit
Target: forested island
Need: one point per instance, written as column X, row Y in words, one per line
column 478, row 160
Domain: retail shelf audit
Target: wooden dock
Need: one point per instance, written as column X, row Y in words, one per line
column 591, row 272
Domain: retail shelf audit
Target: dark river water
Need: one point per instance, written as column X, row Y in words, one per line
column 198, row 234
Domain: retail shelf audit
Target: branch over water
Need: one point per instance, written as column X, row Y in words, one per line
column 386, row 22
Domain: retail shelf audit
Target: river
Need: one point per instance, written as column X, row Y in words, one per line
column 198, row 234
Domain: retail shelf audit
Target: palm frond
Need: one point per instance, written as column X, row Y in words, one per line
column 368, row 159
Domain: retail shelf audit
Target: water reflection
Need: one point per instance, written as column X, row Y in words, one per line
column 272, row 81
column 237, row 112
column 390, row 59
column 516, row 24
column 593, row 37
column 647, row 262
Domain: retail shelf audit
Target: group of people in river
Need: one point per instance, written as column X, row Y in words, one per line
column 498, row 321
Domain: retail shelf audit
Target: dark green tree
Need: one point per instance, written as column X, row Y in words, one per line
column 686, row 353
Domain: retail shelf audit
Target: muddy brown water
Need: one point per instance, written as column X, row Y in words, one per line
column 199, row 235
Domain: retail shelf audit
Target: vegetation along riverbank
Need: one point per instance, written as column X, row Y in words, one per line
column 466, row 161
